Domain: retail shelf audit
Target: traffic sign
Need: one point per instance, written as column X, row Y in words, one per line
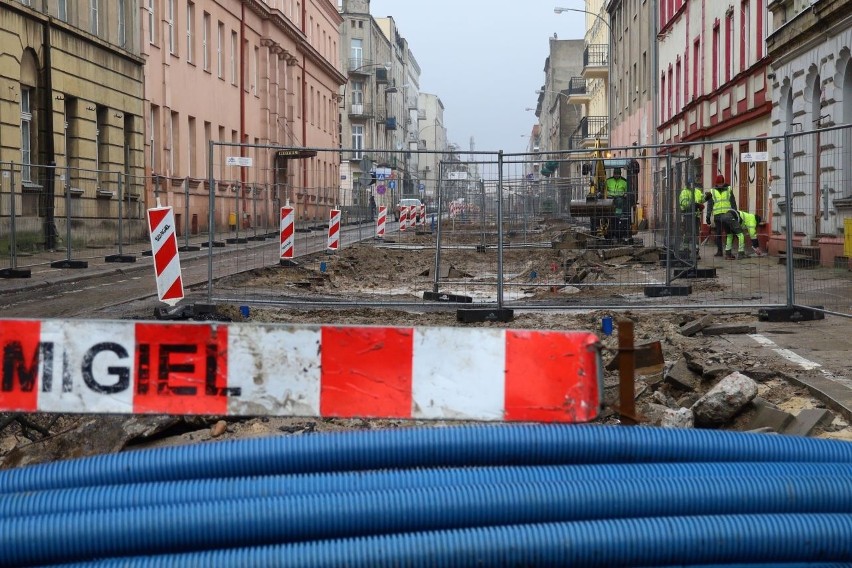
column 380, row 189
column 392, row 184
column 422, row 187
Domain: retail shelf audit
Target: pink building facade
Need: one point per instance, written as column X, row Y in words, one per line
column 258, row 73
column 712, row 87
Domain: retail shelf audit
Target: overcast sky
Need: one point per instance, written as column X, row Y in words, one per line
column 484, row 59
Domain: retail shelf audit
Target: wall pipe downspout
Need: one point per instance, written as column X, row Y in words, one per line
column 243, row 135
column 50, row 231
column 303, row 163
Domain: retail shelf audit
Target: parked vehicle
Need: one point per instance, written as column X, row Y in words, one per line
column 408, row 203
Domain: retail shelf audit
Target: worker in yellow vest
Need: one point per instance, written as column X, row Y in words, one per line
column 722, row 205
column 691, row 203
column 616, row 189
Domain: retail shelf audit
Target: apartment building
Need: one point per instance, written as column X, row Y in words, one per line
column 712, row 84
column 71, row 91
column 263, row 73
column 379, row 112
column 432, row 140
column 809, row 45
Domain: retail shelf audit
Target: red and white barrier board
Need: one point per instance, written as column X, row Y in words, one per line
column 287, row 233
column 161, row 227
column 334, row 229
column 102, row 366
column 403, row 218
column 381, row 221
column 423, row 214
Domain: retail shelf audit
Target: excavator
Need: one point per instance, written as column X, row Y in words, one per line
column 610, row 219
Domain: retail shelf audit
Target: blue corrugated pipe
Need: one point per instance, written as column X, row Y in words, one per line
column 273, row 520
column 424, row 447
column 173, row 492
column 663, row 541
column 793, row 505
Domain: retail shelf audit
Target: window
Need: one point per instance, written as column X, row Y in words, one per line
column 174, row 136
column 208, row 133
column 233, row 58
column 663, row 97
column 100, row 138
column 716, row 55
column 205, row 41
column 220, row 37
column 170, row 23
column 356, row 53
column 26, row 133
column 26, row 2
column 152, row 23
column 63, row 10
column 729, row 40
column 193, row 153
column 190, row 32
column 358, row 140
column 357, row 92
column 677, row 104
column 122, row 23
column 759, row 29
column 93, row 16
column 254, row 74
column 696, row 67
column 745, row 32
column 154, row 139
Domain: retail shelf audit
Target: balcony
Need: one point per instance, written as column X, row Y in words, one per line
column 360, row 66
column 361, row 110
column 596, row 61
column 578, row 94
column 591, row 128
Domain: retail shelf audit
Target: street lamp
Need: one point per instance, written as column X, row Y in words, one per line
column 559, row 10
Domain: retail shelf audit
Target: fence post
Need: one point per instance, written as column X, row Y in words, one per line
column 500, row 230
column 439, row 191
column 788, row 214
column 211, row 220
column 68, row 263
column 186, row 246
column 120, row 257
column 13, row 271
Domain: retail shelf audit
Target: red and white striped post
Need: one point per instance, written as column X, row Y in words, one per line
column 403, row 218
column 381, row 221
column 287, row 231
column 423, row 214
column 412, row 216
column 334, row 230
column 161, row 227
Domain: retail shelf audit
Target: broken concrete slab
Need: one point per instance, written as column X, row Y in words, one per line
column 682, row 377
column 728, row 329
column 607, row 254
column 103, row 434
column 713, row 372
column 807, row 420
column 725, row 400
column 695, row 326
column 666, row 417
column 770, row 418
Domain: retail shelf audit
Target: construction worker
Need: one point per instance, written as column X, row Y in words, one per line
column 749, row 222
column 722, row 203
column 691, row 202
column 616, row 189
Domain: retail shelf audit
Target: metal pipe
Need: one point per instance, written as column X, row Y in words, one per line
column 626, row 368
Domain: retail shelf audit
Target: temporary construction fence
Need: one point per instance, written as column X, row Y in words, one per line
column 499, row 232
column 523, row 230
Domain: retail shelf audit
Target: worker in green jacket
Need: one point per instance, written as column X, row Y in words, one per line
column 749, row 222
column 616, row 189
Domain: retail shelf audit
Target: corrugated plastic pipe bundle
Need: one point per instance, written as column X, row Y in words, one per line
column 453, row 496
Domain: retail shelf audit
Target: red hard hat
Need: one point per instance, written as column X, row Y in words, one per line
column 720, row 180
